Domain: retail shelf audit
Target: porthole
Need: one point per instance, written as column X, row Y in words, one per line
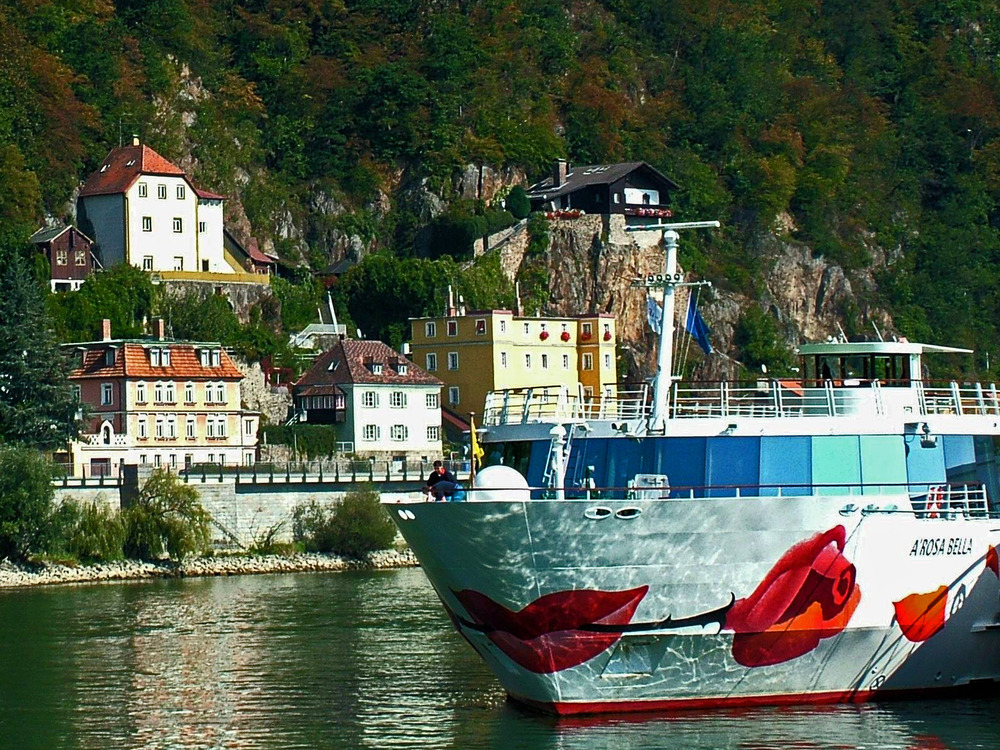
column 627, row 514
column 597, row 513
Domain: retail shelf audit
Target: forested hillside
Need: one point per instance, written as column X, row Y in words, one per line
column 853, row 127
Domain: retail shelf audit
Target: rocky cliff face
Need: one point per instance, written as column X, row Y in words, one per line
column 592, row 262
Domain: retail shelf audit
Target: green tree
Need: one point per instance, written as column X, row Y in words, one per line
column 124, row 295
column 25, row 502
column 759, row 343
column 37, row 406
column 166, row 517
column 355, row 526
column 517, row 202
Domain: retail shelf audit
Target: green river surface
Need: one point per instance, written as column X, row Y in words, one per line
column 344, row 660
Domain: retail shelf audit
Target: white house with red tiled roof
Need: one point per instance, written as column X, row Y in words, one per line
column 142, row 209
column 375, row 398
column 160, row 402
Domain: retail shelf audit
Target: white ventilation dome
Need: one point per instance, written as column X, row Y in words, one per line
column 500, row 483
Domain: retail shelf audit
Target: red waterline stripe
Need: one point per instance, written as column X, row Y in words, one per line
column 694, row 704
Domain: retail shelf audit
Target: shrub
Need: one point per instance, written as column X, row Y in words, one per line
column 88, row 532
column 310, row 440
column 517, row 202
column 355, row 526
column 166, row 517
column 25, row 502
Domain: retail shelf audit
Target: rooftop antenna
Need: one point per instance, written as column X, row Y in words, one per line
column 668, row 281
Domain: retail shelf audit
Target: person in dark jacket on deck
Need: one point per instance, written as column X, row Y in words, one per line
column 441, row 483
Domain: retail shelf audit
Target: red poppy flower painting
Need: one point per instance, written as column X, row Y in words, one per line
column 922, row 615
column 810, row 594
column 546, row 636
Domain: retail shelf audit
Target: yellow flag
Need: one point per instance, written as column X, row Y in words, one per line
column 477, row 450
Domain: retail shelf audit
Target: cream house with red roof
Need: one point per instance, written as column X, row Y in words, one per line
column 375, row 398
column 160, row 402
column 142, row 209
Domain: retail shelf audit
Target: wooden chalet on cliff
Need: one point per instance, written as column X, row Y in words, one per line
column 631, row 188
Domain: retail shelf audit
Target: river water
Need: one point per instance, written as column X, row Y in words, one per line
column 344, row 660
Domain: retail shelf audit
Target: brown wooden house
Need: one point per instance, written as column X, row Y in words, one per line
column 631, row 188
column 70, row 255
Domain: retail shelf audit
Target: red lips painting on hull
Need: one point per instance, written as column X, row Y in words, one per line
column 546, row 635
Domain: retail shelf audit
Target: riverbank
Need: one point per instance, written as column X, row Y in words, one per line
column 15, row 576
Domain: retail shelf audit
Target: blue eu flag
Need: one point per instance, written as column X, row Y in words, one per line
column 694, row 324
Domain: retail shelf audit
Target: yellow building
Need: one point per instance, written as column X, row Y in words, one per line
column 475, row 352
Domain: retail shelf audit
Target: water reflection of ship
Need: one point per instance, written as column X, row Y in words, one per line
column 828, row 539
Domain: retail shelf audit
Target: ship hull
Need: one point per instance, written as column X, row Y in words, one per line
column 593, row 606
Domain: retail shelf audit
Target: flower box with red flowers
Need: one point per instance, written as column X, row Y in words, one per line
column 543, row 335
column 564, row 335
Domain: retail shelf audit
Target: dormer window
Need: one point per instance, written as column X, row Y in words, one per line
column 376, row 368
column 401, row 368
column 130, row 163
column 159, row 357
column 104, row 168
column 109, row 357
column 210, row 357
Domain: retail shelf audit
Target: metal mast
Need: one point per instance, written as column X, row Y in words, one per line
column 671, row 279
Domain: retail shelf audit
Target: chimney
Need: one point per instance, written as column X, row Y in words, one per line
column 559, row 172
column 105, row 330
column 159, row 329
column 135, row 140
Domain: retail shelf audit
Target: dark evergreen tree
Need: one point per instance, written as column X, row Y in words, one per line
column 37, row 406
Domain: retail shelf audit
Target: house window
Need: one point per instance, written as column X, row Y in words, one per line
column 201, row 227
column 154, row 358
column 142, row 428
column 369, row 399
column 545, row 361
column 527, row 361
column 607, row 331
column 220, row 393
column 431, row 362
column 178, row 225
column 397, row 400
column 161, row 191
column 399, row 432
column 171, row 393
column 172, row 426
column 189, row 393
column 433, row 400
column 147, row 223
column 401, row 368
column 80, row 257
column 140, row 393
column 481, row 327
column 61, row 257
column 527, row 329
column 370, row 432
column 452, row 327
column 156, row 459
column 147, row 262
column 107, row 394
column 587, row 330
column 109, row 357
column 618, row 198
column 607, row 361
column 173, row 460
column 452, row 360
column 158, row 393
column 160, row 426
column 565, row 361
column 191, row 426
column 248, row 459
column 180, row 192
column 77, row 392
column 178, row 263
column 454, row 397
column 433, row 433
column 588, row 361
column 376, row 368
column 248, row 427
column 143, row 190
column 216, row 357
column 220, row 427
column 142, row 458
column 503, row 359
column 503, row 326
column 431, row 329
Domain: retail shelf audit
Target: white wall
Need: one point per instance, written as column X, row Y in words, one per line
column 416, row 416
column 210, row 242
column 163, row 244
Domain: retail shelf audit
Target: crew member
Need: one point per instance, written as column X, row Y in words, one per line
column 441, row 483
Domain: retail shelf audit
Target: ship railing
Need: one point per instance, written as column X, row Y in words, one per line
column 947, row 501
column 555, row 403
column 763, row 398
column 964, row 399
